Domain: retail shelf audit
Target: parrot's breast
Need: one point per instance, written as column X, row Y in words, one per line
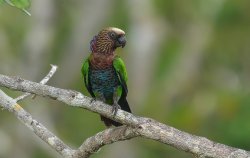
column 104, row 81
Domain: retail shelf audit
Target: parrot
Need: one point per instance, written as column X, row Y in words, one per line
column 104, row 72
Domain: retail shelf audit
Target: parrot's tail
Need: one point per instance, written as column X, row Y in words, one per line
column 124, row 106
column 108, row 122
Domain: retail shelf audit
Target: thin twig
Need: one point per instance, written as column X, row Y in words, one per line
column 10, row 104
column 43, row 81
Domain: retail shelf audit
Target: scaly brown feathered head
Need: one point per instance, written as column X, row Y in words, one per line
column 108, row 40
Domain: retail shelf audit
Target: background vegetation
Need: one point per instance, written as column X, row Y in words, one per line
column 188, row 65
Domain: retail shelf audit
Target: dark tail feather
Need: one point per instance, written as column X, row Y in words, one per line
column 108, row 122
column 124, row 106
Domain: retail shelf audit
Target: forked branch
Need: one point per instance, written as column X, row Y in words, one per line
column 136, row 126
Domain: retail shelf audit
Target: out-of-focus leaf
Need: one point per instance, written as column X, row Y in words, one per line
column 21, row 4
column 1, row 2
column 10, row 3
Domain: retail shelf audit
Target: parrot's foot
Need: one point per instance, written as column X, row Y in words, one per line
column 115, row 108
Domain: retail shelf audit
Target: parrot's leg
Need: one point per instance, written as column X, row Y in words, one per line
column 115, row 106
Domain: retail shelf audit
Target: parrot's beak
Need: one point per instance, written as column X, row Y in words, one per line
column 121, row 41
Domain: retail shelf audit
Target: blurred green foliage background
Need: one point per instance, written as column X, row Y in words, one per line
column 188, row 64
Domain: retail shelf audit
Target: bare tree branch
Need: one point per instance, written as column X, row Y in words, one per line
column 43, row 81
column 145, row 127
column 89, row 146
column 108, row 136
column 10, row 104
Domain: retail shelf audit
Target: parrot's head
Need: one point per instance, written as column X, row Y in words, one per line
column 108, row 40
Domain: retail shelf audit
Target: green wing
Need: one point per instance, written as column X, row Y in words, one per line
column 85, row 73
column 122, row 73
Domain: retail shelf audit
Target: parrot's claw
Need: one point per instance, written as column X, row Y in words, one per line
column 115, row 108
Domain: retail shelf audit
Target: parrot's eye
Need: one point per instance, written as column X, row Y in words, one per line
column 112, row 34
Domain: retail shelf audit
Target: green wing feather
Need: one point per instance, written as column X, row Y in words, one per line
column 85, row 73
column 121, row 72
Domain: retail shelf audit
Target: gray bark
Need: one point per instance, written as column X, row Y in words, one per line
column 135, row 125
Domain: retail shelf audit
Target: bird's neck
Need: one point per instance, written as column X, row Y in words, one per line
column 101, row 61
